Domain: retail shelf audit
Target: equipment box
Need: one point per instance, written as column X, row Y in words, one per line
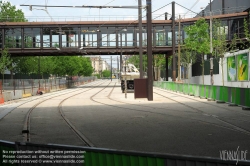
column 140, row 88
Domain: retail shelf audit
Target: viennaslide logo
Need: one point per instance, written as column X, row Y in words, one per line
column 233, row 155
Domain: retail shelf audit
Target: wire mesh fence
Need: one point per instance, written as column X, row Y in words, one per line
column 32, row 86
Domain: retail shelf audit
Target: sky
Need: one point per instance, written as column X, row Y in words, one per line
column 91, row 14
column 71, row 14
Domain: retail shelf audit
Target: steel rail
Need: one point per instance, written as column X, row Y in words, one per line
column 27, row 123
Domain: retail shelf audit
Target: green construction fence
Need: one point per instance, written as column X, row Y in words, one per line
column 91, row 156
column 232, row 95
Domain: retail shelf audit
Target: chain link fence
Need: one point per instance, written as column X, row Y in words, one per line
column 32, row 86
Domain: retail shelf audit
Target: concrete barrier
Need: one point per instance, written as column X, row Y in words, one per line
column 18, row 94
column 7, row 96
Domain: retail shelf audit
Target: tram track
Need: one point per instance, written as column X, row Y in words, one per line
column 90, row 144
column 207, row 103
column 37, row 97
column 235, row 127
column 27, row 122
column 232, row 126
column 148, row 106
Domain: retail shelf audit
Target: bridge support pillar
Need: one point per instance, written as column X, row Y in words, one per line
column 120, row 65
column 149, row 50
column 173, row 43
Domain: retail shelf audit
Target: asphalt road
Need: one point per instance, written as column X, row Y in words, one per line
column 178, row 124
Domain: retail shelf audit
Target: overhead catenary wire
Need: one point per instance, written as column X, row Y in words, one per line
column 161, row 7
column 192, row 6
column 83, row 6
column 189, row 10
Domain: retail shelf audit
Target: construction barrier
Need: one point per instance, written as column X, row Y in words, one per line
column 17, row 94
column 1, row 99
column 232, row 95
column 7, row 96
column 89, row 156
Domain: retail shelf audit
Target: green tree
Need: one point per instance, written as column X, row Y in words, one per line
column 198, row 39
column 159, row 64
column 160, row 61
column 246, row 30
column 135, row 60
column 5, row 61
column 187, row 59
column 247, row 34
column 46, row 66
column 220, row 43
column 106, row 73
column 27, row 65
column 86, row 69
column 10, row 13
column 70, row 65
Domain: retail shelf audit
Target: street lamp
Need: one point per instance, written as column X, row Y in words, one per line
column 211, row 46
column 211, row 43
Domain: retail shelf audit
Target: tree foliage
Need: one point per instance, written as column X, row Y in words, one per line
column 55, row 65
column 106, row 73
column 188, row 58
column 160, row 61
column 135, row 60
column 219, row 39
column 220, row 44
column 72, row 65
column 5, row 61
column 198, row 39
column 247, row 34
column 246, row 30
column 9, row 13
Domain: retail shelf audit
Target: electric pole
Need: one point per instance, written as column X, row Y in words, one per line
column 140, row 38
column 111, row 67
column 179, row 50
column 211, row 46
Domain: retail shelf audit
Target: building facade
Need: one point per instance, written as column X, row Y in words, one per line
column 99, row 64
